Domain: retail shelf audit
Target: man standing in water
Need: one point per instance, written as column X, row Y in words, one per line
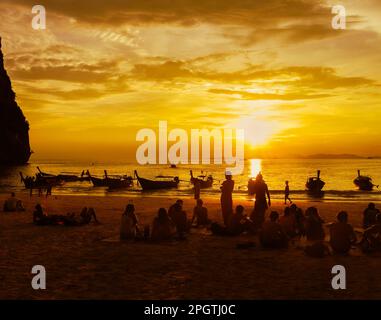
column 226, row 198
column 261, row 204
column 287, row 193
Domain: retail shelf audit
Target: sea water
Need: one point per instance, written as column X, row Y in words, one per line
column 338, row 175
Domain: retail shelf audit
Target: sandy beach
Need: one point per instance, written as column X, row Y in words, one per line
column 90, row 263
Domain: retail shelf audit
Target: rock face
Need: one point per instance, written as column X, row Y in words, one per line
column 14, row 129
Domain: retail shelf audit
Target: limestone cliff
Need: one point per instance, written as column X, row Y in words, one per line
column 14, row 129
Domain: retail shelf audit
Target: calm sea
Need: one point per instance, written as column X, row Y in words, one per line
column 337, row 173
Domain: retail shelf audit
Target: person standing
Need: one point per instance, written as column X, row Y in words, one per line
column 227, row 198
column 261, row 203
column 287, row 193
column 197, row 189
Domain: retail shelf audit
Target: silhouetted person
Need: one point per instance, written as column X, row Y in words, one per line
column 371, row 240
column 261, row 203
column 369, row 216
column 179, row 218
column 163, row 227
column 288, row 223
column 314, row 225
column 200, row 214
column 299, row 219
column 272, row 234
column 178, row 202
column 239, row 222
column 287, row 193
column 342, row 235
column 197, row 189
column 13, row 204
column 227, row 198
column 129, row 223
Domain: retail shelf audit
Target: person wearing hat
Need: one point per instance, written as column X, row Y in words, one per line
column 227, row 198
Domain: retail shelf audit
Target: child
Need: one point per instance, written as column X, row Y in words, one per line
column 287, row 194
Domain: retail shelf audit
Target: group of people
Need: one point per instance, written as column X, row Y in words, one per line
column 275, row 232
column 168, row 224
column 40, row 218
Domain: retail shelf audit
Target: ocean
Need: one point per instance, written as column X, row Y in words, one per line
column 338, row 175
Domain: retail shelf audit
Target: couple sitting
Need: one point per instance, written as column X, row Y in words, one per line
column 13, row 204
column 71, row 219
column 237, row 224
column 166, row 225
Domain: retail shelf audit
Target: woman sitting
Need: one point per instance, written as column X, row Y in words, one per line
column 272, row 234
column 163, row 227
column 314, row 225
column 371, row 241
column 200, row 214
column 288, row 223
column 129, row 224
column 342, row 236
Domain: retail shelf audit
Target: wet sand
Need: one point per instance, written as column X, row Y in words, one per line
column 89, row 263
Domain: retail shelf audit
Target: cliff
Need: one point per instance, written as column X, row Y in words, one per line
column 14, row 128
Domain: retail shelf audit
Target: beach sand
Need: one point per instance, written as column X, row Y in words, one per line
column 90, row 263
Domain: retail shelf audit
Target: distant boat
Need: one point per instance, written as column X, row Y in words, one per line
column 315, row 184
column 205, row 181
column 364, row 183
column 173, row 166
column 147, row 184
column 111, row 182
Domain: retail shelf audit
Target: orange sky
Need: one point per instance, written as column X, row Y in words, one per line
column 102, row 70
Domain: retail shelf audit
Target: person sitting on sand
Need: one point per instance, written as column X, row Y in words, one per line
column 13, row 204
column 179, row 218
column 200, row 214
column 84, row 218
column 342, row 235
column 239, row 222
column 129, row 223
column 314, row 225
column 272, row 234
column 163, row 227
column 369, row 216
column 299, row 219
column 172, row 208
column 371, row 240
column 288, row 223
column 42, row 219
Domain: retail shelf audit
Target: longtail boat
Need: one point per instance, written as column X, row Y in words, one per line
column 203, row 180
column 364, row 183
column 147, row 184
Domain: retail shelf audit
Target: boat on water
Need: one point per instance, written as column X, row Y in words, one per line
column 166, row 182
column 112, row 182
column 204, row 180
column 68, row 177
column 315, row 184
column 364, row 183
column 40, row 181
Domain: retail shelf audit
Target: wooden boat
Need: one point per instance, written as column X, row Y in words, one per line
column 111, row 182
column 315, row 184
column 147, row 184
column 364, row 183
column 67, row 177
column 205, row 181
column 40, row 181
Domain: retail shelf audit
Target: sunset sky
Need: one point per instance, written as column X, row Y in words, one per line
column 102, row 70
